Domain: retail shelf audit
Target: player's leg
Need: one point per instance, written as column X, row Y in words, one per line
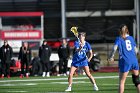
column 135, row 78
column 122, row 78
column 86, row 69
column 72, row 70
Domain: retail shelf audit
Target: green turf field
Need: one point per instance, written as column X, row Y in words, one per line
column 107, row 83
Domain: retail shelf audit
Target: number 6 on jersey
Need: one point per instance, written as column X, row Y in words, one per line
column 128, row 45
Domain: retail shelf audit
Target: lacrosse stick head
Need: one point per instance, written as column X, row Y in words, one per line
column 74, row 31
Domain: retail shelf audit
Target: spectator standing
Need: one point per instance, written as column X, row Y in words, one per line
column 25, row 58
column 44, row 54
column 64, row 54
column 6, row 53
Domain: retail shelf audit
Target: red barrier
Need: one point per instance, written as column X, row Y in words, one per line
column 16, row 14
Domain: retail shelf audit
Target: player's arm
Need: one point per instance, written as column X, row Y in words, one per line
column 114, row 49
column 111, row 57
column 90, row 55
column 134, row 44
column 136, row 50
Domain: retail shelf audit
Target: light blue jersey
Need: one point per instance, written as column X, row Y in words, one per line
column 80, row 58
column 127, row 55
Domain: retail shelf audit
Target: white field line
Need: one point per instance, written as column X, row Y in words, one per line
column 19, row 84
column 17, row 91
column 116, row 84
column 52, row 79
column 76, row 82
column 62, row 83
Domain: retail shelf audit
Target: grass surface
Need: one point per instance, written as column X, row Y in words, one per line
column 81, row 84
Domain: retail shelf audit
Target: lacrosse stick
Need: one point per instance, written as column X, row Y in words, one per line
column 75, row 32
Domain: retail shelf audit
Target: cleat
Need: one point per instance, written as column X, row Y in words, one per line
column 44, row 74
column 21, row 76
column 84, row 73
column 64, row 74
column 27, row 76
column 48, row 74
column 2, row 76
column 8, row 76
column 68, row 72
column 68, row 89
column 58, row 75
column 96, row 88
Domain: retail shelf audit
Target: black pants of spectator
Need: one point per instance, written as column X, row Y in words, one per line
column 63, row 65
column 46, row 67
column 5, row 68
column 37, row 68
column 25, row 63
